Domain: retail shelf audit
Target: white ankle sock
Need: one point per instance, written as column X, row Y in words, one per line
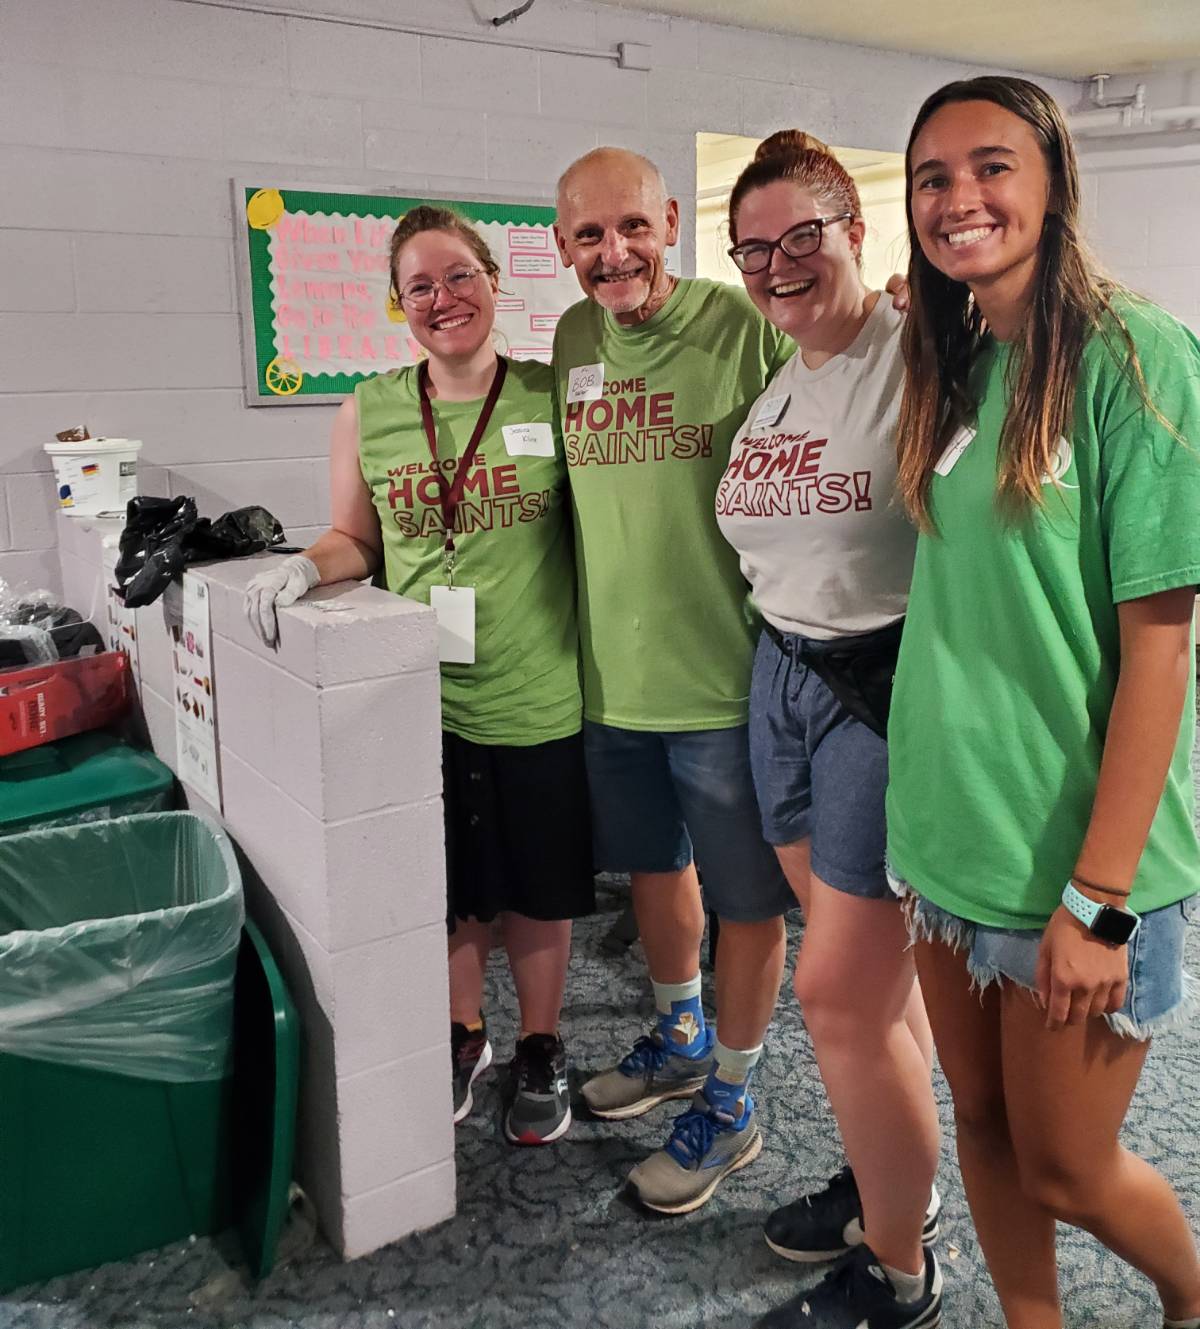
column 907, row 1287
column 1193, row 1323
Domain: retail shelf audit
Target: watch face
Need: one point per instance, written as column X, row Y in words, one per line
column 1115, row 926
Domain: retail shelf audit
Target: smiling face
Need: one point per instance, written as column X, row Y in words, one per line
column 804, row 297
column 613, row 227
column 979, row 198
column 456, row 325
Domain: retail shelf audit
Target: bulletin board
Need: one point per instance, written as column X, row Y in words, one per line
column 313, row 286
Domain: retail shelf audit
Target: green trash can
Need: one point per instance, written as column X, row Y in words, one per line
column 266, row 1085
column 118, row 944
column 83, row 778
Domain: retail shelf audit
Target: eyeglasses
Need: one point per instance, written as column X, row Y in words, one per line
column 796, row 242
column 420, row 295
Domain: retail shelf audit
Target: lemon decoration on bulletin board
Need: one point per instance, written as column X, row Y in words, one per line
column 264, row 208
column 283, row 376
column 394, row 313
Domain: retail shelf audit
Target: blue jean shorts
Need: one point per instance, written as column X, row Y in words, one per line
column 1161, row 993
column 819, row 773
column 658, row 799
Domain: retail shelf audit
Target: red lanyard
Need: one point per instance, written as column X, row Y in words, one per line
column 450, row 492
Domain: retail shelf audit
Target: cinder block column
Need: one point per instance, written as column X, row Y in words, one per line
column 330, row 755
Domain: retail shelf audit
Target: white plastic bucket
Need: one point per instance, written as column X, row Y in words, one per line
column 96, row 477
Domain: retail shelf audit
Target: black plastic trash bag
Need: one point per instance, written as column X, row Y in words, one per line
column 163, row 535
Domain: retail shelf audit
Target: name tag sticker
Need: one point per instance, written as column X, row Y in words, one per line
column 954, row 449
column 535, row 440
column 770, row 411
column 455, row 609
column 585, row 383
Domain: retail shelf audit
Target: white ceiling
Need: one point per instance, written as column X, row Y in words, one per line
column 1063, row 38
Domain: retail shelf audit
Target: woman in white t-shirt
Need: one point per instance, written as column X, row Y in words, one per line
column 807, row 502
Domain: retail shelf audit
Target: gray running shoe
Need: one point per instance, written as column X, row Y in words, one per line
column 704, row 1148
column 651, row 1074
column 541, row 1108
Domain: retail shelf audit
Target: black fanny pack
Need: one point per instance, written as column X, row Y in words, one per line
column 859, row 673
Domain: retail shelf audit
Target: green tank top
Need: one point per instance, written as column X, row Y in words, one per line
column 512, row 542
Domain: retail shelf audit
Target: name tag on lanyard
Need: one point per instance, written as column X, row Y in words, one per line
column 455, row 609
column 455, row 605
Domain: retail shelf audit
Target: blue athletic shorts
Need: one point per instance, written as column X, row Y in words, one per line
column 819, row 773
column 658, row 799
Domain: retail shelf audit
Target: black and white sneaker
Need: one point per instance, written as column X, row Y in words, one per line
column 540, row 1111
column 470, row 1056
column 857, row 1294
column 828, row 1223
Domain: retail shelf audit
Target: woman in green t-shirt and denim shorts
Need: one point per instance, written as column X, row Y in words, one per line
column 1040, row 806
column 466, row 442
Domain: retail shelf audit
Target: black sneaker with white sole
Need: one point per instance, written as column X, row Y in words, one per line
column 470, row 1056
column 857, row 1294
column 540, row 1111
column 828, row 1223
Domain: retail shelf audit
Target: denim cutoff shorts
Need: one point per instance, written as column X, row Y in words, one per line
column 658, row 798
column 819, row 773
column 1161, row 993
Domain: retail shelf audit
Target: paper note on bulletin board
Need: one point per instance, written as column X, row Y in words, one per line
column 313, row 279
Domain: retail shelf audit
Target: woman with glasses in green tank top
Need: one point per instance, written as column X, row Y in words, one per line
column 448, row 480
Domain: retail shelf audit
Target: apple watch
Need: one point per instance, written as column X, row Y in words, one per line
column 1115, row 926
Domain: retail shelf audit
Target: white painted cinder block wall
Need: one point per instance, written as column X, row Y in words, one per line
column 1142, row 198
column 122, row 122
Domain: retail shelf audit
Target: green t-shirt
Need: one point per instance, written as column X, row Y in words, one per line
column 513, row 545
column 1011, row 647
column 665, row 638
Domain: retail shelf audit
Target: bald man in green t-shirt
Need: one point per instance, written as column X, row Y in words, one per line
column 653, row 375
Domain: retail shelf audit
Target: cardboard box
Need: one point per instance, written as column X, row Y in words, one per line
column 39, row 703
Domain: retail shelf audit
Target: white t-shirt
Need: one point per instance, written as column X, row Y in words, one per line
column 808, row 498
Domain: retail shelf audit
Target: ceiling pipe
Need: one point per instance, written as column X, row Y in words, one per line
column 487, row 37
column 1177, row 113
column 1107, row 117
column 1126, row 116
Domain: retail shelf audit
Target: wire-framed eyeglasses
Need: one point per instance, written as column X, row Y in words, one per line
column 796, row 242
column 420, row 294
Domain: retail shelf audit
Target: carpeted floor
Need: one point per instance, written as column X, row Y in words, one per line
column 546, row 1239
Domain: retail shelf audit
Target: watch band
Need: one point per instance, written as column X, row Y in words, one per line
column 1075, row 902
column 1104, row 921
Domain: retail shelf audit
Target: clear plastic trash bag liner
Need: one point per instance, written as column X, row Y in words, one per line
column 118, row 942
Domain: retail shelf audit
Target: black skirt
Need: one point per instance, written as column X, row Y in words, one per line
column 518, row 830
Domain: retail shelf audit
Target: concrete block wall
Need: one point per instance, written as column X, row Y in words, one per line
column 122, row 122
column 330, row 758
column 1141, row 198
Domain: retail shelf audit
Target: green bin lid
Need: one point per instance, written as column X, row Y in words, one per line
column 77, row 775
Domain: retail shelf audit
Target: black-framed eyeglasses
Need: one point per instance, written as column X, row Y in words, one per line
column 796, row 242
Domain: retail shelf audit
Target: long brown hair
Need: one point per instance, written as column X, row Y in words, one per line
column 945, row 328
column 793, row 155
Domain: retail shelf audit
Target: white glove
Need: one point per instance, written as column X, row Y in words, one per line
column 276, row 588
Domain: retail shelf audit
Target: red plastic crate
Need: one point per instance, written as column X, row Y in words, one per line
column 39, row 703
